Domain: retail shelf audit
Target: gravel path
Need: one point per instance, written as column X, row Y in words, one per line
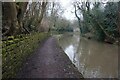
column 49, row 61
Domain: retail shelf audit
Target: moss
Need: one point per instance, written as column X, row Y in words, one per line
column 15, row 50
column 10, row 37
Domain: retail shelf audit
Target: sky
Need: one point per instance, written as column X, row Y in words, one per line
column 67, row 5
column 69, row 9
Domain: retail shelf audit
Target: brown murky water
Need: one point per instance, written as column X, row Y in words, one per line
column 92, row 58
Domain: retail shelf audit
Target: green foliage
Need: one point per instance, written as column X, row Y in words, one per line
column 111, row 18
column 102, row 22
column 15, row 51
column 98, row 14
column 63, row 25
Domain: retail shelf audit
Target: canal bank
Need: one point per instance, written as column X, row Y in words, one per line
column 93, row 59
column 49, row 61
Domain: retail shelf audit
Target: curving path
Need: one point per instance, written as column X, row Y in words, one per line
column 49, row 61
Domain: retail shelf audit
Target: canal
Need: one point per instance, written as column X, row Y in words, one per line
column 92, row 58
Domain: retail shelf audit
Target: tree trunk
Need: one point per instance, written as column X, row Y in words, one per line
column 21, row 8
column 44, row 4
column 13, row 14
column 79, row 22
column 10, row 18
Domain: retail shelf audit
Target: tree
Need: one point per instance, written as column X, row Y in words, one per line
column 101, row 22
column 12, row 17
column 22, row 17
column 9, row 18
column 42, row 13
column 81, row 8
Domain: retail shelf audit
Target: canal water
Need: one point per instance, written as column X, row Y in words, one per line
column 92, row 58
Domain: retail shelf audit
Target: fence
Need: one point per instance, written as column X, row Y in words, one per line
column 15, row 49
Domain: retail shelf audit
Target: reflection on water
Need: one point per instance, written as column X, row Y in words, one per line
column 92, row 58
column 70, row 51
